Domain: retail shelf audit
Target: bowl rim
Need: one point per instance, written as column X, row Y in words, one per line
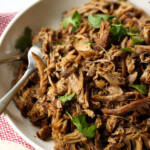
column 16, row 17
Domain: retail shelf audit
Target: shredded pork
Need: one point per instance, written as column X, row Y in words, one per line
column 100, row 75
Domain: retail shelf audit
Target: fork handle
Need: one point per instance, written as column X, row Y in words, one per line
column 10, row 59
column 4, row 101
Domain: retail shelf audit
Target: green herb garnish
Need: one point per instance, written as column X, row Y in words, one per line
column 127, row 50
column 117, row 30
column 25, row 41
column 75, row 39
column 59, row 43
column 88, row 42
column 132, row 30
column 82, row 125
column 141, row 88
column 66, row 98
column 75, row 20
column 136, row 37
column 95, row 20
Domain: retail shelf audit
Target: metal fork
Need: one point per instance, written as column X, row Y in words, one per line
column 4, row 101
column 19, row 57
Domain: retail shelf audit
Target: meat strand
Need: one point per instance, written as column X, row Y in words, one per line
column 127, row 108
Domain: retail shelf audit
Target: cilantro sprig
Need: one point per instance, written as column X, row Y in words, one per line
column 82, row 125
column 75, row 20
column 66, row 98
column 136, row 37
column 59, row 43
column 117, row 30
column 88, row 42
column 126, row 49
column 141, row 88
column 95, row 20
column 25, row 41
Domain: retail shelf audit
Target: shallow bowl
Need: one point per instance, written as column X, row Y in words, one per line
column 44, row 13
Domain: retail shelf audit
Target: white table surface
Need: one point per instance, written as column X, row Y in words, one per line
column 14, row 5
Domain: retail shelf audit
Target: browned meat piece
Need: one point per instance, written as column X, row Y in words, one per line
column 146, row 75
column 44, row 133
column 46, row 36
column 111, row 123
column 52, row 93
column 114, row 78
column 123, row 63
column 68, row 60
column 77, row 86
column 114, row 93
column 37, row 113
column 61, row 86
column 132, row 77
column 128, row 107
column 76, row 83
column 130, row 63
column 98, row 142
column 89, row 112
column 98, row 121
column 146, row 33
column 21, row 102
column 43, row 76
column 127, row 7
column 102, row 39
column 149, row 91
column 74, row 137
column 100, row 84
column 144, row 52
column 85, row 50
column 128, row 137
column 69, row 71
column 114, row 53
column 134, row 95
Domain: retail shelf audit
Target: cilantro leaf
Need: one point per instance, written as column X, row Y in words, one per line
column 75, row 20
column 59, row 43
column 82, row 125
column 89, row 131
column 95, row 20
column 66, row 21
column 88, row 42
column 141, row 88
column 126, row 49
column 75, row 39
column 25, row 41
column 66, row 98
column 137, row 39
column 76, row 17
column 80, row 121
column 117, row 30
column 132, row 30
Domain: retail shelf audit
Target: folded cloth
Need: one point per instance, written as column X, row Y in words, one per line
column 6, row 131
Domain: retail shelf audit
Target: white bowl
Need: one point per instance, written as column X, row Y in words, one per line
column 41, row 14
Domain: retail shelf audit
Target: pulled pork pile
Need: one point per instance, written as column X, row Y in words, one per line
column 93, row 90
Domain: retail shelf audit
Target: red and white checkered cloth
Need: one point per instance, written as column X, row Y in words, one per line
column 6, row 131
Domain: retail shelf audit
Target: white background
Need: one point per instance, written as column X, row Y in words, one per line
column 14, row 5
